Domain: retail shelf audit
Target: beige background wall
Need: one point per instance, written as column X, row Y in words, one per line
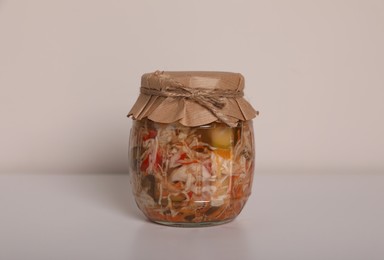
column 70, row 71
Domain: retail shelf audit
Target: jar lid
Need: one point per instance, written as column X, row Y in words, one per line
column 192, row 98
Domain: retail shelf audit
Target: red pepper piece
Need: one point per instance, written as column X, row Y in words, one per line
column 183, row 156
column 144, row 164
column 158, row 158
column 151, row 134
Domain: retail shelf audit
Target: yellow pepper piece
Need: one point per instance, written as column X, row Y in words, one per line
column 222, row 137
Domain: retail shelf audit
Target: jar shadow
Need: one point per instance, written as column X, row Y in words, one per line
column 228, row 241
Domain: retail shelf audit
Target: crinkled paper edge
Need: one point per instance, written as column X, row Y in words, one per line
column 187, row 112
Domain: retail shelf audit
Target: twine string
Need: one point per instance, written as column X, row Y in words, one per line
column 211, row 99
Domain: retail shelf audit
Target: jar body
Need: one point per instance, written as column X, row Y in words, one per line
column 191, row 176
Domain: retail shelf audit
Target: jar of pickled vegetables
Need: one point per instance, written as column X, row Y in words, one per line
column 191, row 150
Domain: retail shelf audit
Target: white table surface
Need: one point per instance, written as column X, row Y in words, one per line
column 308, row 215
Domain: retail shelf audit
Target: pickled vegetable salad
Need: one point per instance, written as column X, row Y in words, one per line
column 199, row 174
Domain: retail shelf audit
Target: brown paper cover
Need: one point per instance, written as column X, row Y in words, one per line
column 186, row 111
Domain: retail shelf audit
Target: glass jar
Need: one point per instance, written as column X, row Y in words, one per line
column 189, row 175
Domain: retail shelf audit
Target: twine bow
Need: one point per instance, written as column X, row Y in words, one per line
column 211, row 99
